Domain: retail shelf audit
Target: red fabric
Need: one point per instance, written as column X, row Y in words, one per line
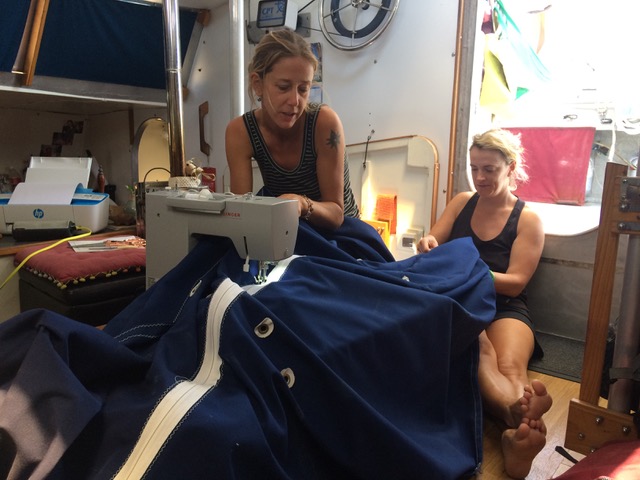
column 618, row 461
column 63, row 265
column 557, row 162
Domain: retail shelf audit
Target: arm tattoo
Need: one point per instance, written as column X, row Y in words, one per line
column 334, row 139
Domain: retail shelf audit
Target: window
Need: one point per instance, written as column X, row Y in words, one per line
column 583, row 86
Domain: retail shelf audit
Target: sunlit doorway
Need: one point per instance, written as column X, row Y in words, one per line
column 588, row 79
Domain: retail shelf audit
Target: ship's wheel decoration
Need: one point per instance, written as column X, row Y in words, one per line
column 354, row 24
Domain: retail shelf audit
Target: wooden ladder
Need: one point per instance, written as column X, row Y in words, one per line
column 589, row 424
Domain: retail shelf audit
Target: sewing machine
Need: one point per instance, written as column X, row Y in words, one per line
column 261, row 228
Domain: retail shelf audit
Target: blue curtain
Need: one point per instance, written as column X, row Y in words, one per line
column 13, row 16
column 108, row 41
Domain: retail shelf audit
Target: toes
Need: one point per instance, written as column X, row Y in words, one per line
column 538, row 388
column 522, row 431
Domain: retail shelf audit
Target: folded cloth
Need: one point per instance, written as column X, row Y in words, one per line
column 386, row 210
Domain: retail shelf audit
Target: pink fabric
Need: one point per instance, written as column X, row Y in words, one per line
column 63, row 265
column 618, row 461
column 557, row 162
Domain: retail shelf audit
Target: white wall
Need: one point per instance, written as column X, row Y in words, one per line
column 23, row 132
column 209, row 82
column 400, row 85
column 107, row 136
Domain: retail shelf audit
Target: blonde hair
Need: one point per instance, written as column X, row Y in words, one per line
column 275, row 46
column 510, row 146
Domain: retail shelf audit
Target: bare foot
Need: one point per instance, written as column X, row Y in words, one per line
column 520, row 446
column 536, row 401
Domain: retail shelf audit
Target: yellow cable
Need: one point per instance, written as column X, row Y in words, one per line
column 44, row 249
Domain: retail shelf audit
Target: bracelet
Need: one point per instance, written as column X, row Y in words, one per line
column 309, row 207
column 493, row 277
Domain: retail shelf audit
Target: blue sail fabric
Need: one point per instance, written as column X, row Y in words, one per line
column 340, row 366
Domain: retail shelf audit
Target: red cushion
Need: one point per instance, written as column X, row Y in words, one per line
column 63, row 265
column 619, row 461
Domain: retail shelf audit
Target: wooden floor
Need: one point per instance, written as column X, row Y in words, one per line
column 548, row 464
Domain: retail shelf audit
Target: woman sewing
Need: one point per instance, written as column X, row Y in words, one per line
column 299, row 146
column 509, row 237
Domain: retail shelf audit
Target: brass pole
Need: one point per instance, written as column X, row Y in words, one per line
column 18, row 65
column 35, row 37
column 455, row 99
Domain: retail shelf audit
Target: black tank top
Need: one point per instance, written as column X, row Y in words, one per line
column 303, row 179
column 497, row 251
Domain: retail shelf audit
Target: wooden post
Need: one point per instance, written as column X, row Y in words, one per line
column 590, row 425
column 604, row 270
column 33, row 49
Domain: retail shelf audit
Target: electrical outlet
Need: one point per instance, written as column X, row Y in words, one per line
column 409, row 238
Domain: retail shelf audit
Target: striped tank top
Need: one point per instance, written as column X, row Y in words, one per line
column 303, row 179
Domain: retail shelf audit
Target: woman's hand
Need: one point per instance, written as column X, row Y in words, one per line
column 427, row 243
column 302, row 203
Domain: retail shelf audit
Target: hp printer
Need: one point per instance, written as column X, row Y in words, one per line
column 54, row 197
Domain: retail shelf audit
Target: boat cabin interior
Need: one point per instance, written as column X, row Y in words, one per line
column 112, row 125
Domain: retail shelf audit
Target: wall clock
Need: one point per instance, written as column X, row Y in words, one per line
column 354, row 24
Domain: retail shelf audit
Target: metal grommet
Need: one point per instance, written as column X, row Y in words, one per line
column 195, row 288
column 288, row 376
column 264, row 328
